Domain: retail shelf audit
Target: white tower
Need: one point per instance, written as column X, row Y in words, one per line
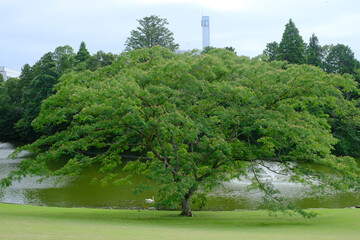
column 205, row 24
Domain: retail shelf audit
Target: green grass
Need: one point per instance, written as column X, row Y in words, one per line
column 32, row 222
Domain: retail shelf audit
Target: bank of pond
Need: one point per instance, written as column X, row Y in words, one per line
column 78, row 192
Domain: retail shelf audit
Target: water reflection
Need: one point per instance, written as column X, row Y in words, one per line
column 79, row 193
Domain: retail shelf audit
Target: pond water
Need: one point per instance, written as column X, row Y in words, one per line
column 78, row 192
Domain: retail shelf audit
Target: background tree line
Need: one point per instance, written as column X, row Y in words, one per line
column 331, row 58
column 20, row 98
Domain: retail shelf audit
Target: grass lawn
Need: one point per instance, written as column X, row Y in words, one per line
column 32, row 222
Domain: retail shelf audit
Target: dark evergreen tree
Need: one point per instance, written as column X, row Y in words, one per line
column 314, row 52
column 292, row 47
column 40, row 87
column 26, row 76
column 83, row 54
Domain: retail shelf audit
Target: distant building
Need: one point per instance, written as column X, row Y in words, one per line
column 205, row 24
column 9, row 73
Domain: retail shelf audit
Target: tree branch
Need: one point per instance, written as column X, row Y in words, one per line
column 283, row 96
column 261, row 185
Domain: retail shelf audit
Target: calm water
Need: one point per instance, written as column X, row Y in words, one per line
column 77, row 192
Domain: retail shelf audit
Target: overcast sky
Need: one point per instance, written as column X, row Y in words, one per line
column 29, row 29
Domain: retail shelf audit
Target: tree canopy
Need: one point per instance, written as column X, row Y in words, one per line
column 189, row 122
column 151, row 32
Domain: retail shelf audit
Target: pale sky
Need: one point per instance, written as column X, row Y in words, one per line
column 31, row 28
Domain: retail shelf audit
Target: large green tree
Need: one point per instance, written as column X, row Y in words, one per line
column 292, row 46
column 193, row 121
column 151, row 32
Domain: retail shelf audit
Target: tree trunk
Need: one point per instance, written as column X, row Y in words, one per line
column 185, row 204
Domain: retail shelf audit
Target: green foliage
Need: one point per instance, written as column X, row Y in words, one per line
column 207, row 49
column 34, row 85
column 314, row 52
column 1, row 78
column 83, row 54
column 9, row 111
column 292, row 47
column 24, row 95
column 340, row 59
column 9, row 116
column 13, row 90
column 195, row 121
column 27, row 74
column 64, row 57
column 43, row 77
column 100, row 59
column 345, row 127
column 271, row 51
column 151, row 32
column 231, row 49
column 332, row 59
